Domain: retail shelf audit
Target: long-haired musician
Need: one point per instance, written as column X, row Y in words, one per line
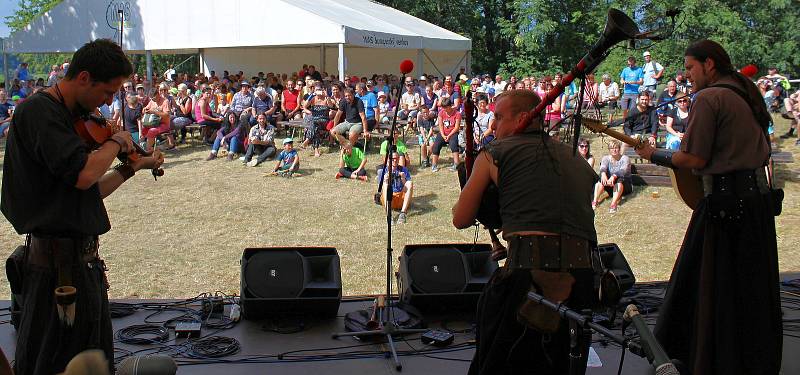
column 721, row 314
column 549, row 225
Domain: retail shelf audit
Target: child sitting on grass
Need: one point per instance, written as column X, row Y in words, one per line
column 351, row 164
column 288, row 159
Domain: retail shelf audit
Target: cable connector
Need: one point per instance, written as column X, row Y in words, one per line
column 236, row 312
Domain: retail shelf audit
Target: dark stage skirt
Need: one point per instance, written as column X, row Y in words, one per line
column 721, row 313
column 44, row 344
column 504, row 346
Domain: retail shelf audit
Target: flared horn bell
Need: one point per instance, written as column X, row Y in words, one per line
column 619, row 27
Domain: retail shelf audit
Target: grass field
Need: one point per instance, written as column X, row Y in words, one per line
column 184, row 234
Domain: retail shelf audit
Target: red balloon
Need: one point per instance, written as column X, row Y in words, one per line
column 406, row 66
column 750, row 70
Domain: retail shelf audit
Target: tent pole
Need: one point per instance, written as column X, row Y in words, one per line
column 341, row 62
column 321, row 59
column 5, row 65
column 149, row 59
column 420, row 62
column 202, row 61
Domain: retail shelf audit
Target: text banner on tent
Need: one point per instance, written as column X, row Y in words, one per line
column 375, row 39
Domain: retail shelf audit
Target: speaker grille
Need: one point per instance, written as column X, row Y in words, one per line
column 274, row 274
column 437, row 270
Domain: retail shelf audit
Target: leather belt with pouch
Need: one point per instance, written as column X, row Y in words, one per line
column 60, row 251
column 739, row 183
column 548, row 258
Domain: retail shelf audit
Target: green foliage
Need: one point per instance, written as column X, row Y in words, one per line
column 536, row 37
column 27, row 10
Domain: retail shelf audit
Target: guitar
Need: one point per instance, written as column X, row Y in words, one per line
column 687, row 185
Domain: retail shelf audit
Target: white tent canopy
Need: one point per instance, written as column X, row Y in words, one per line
column 356, row 36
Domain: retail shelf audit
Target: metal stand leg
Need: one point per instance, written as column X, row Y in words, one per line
column 388, row 327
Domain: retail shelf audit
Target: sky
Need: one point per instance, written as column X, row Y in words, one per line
column 7, row 7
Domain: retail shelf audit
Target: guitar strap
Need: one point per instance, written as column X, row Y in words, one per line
column 762, row 123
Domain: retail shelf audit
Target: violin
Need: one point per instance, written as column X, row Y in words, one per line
column 95, row 130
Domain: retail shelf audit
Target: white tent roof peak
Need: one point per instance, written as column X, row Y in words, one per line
column 151, row 25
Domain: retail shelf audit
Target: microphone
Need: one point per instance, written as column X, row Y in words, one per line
column 655, row 353
column 406, row 66
column 147, row 365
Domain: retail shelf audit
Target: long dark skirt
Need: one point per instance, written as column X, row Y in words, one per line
column 44, row 345
column 721, row 314
column 504, row 346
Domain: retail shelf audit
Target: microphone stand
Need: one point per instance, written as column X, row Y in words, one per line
column 580, row 328
column 388, row 327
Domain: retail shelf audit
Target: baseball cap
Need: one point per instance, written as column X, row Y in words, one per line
column 15, row 98
column 463, row 77
column 476, row 81
column 646, row 53
column 381, row 93
column 490, row 91
column 244, row 83
column 173, row 91
column 288, row 140
column 139, row 86
column 423, row 78
column 370, row 83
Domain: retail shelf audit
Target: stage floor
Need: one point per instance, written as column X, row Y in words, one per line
column 313, row 351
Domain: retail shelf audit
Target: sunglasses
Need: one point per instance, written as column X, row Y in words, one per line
column 683, row 101
column 582, row 146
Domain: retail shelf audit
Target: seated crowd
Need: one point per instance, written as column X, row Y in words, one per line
column 240, row 117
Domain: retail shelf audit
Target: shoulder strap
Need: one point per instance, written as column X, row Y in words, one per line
column 764, row 126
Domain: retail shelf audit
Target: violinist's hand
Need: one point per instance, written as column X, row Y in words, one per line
column 125, row 140
column 153, row 161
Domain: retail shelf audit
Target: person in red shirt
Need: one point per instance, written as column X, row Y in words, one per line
column 449, row 123
column 290, row 104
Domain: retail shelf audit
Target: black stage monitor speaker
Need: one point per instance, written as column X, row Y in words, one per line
column 611, row 258
column 445, row 277
column 286, row 281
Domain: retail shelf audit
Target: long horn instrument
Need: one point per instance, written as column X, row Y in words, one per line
column 618, row 27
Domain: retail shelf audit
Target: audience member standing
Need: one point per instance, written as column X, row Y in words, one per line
column 630, row 78
column 653, row 72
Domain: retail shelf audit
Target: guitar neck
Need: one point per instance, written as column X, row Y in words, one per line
column 622, row 137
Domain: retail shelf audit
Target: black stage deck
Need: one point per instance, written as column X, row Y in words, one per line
column 323, row 355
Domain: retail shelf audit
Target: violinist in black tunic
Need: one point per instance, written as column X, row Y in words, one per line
column 721, row 313
column 53, row 191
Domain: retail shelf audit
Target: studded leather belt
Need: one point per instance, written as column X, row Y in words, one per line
column 548, row 252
